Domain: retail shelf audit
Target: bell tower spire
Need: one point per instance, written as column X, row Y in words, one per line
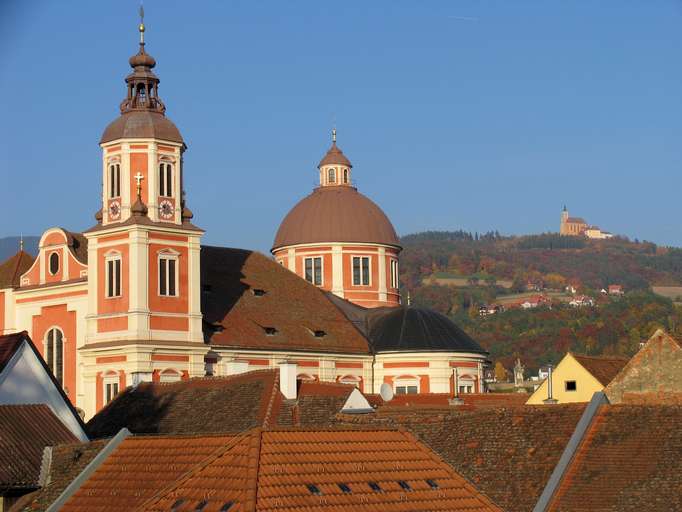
column 335, row 168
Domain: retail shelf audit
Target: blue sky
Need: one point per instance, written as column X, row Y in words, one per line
column 478, row 115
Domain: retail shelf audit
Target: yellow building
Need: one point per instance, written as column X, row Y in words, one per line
column 576, row 378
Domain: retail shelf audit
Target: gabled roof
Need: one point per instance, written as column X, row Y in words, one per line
column 602, row 368
column 322, row 470
column 12, row 268
column 317, row 404
column 11, row 343
column 197, row 406
column 25, row 431
column 251, row 301
column 628, row 461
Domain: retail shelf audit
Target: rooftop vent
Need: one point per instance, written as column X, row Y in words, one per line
column 258, row 292
column 345, row 488
column 270, row 331
column 177, row 504
column 314, row 489
column 374, row 486
column 404, row 485
column 319, row 333
column 432, row 483
column 226, row 506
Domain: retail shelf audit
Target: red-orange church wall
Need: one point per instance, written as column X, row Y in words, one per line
column 58, row 316
column 2, row 311
column 75, row 267
column 113, row 304
column 179, row 304
column 138, row 163
column 57, row 276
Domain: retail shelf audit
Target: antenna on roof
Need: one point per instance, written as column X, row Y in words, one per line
column 386, row 392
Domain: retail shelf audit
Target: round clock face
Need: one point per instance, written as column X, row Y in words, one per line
column 114, row 210
column 166, row 209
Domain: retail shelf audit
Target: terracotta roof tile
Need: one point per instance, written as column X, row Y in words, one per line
column 604, row 369
column 235, row 316
column 291, row 470
column 317, row 404
column 630, row 460
column 198, row 406
column 25, row 431
column 12, row 269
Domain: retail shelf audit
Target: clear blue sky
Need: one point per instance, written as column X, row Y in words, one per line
column 478, row 115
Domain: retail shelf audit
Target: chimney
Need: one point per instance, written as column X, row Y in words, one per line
column 550, row 399
column 287, row 379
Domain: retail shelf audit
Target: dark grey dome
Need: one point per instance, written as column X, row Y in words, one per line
column 410, row 328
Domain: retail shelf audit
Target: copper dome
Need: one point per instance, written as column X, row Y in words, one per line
column 335, row 157
column 142, row 124
column 335, row 214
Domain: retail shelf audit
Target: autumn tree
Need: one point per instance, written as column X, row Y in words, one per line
column 500, row 372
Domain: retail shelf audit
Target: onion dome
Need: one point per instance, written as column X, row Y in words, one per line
column 142, row 111
column 336, row 214
column 99, row 216
column 408, row 328
column 139, row 209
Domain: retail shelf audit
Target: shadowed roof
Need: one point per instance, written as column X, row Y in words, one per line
column 250, row 301
column 13, row 267
column 604, row 369
column 25, row 431
column 335, row 214
column 197, row 406
column 630, row 460
column 141, row 125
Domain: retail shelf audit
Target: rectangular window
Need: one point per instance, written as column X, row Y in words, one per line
column 168, row 276
column 113, row 277
column 313, row 270
column 165, row 180
column 361, row 270
column 114, row 180
column 111, row 391
column 571, row 385
column 394, row 274
column 406, row 390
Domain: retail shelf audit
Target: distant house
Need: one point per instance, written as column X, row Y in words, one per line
column 26, row 379
column 489, row 309
column 576, row 378
column 581, row 301
column 532, row 302
column 615, row 289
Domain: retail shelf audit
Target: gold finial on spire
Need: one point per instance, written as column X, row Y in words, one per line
column 334, row 135
column 141, row 26
column 21, row 242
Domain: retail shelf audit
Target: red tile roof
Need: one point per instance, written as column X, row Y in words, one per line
column 12, row 269
column 322, row 470
column 245, row 293
column 139, row 468
column 25, row 431
column 630, row 460
column 197, row 406
column 604, row 369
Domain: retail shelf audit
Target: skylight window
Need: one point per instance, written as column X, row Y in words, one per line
column 374, row 486
column 227, row 506
column 258, row 292
column 177, row 504
column 345, row 488
column 201, row 506
column 270, row 331
column 314, row 489
column 432, row 483
column 404, row 485
column 319, row 333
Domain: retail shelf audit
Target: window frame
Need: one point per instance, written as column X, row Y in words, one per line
column 575, row 386
column 166, row 179
column 406, row 382
column 394, row 272
column 114, row 181
column 49, row 263
column 362, row 274
column 170, row 375
column 111, row 383
column 53, row 352
column 166, row 256
column 331, row 175
column 313, row 268
column 111, row 259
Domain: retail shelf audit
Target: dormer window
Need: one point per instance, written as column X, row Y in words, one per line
column 270, row 331
column 331, row 175
column 54, row 263
column 165, row 179
column 114, row 180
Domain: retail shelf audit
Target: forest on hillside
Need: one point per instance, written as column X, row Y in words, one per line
column 547, row 262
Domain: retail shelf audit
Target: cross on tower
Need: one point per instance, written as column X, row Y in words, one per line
column 139, row 177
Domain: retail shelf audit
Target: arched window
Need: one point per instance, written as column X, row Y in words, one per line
column 331, row 175
column 114, row 180
column 170, row 376
column 351, row 379
column 54, row 353
column 165, row 179
column 54, row 263
column 345, row 175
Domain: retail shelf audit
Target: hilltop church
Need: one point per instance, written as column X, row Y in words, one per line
column 137, row 297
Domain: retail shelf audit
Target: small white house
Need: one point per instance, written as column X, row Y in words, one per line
column 26, row 379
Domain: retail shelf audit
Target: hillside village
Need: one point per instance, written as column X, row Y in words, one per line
column 142, row 369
